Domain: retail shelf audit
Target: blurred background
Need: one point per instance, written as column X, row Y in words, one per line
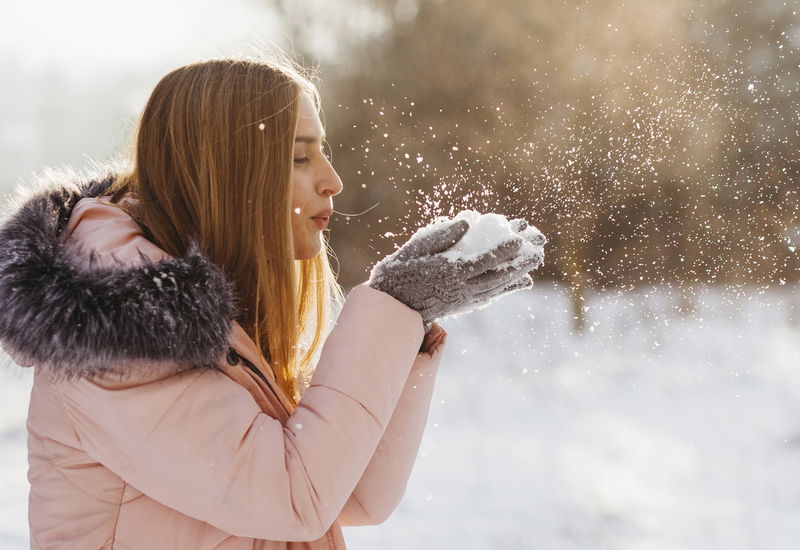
column 645, row 394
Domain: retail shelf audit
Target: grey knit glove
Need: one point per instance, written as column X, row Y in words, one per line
column 527, row 260
column 528, row 232
column 421, row 277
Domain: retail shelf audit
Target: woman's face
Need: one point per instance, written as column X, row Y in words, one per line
column 314, row 182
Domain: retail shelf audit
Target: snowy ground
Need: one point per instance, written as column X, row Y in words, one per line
column 661, row 427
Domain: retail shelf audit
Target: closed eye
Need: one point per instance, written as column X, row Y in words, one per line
column 303, row 160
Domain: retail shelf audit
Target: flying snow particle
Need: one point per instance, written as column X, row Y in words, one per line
column 262, row 126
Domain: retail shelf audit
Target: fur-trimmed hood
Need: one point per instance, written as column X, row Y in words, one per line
column 78, row 320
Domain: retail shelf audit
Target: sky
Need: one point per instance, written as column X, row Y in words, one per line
column 77, row 74
column 84, row 35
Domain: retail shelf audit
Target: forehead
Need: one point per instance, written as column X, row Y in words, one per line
column 308, row 122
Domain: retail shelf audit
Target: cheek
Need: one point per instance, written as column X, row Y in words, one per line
column 302, row 194
column 297, row 203
column 298, row 229
column 296, row 189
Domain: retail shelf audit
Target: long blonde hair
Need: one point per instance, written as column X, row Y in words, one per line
column 213, row 164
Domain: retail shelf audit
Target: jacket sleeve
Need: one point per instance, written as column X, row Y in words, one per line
column 384, row 481
column 199, row 444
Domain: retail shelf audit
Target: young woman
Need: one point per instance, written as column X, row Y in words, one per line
column 174, row 314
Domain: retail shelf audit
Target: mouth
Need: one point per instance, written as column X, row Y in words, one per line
column 322, row 221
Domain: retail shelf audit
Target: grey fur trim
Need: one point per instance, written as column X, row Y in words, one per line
column 76, row 321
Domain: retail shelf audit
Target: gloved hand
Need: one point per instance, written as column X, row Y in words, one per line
column 531, row 258
column 530, row 233
column 421, row 277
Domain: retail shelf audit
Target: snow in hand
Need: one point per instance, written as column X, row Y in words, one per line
column 486, row 231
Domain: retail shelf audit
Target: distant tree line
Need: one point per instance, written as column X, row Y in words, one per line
column 653, row 142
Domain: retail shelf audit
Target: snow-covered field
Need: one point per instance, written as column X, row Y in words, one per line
column 662, row 426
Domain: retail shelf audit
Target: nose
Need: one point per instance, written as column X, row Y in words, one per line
column 330, row 183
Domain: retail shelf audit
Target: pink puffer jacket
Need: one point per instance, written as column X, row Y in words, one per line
column 174, row 456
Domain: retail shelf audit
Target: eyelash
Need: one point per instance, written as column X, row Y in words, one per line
column 305, row 160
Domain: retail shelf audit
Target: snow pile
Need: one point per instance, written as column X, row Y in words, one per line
column 655, row 429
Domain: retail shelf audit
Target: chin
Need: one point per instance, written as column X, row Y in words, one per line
column 307, row 252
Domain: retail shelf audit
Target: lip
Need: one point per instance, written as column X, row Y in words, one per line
column 323, row 213
column 322, row 222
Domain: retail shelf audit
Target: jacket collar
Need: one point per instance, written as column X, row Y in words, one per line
column 82, row 320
